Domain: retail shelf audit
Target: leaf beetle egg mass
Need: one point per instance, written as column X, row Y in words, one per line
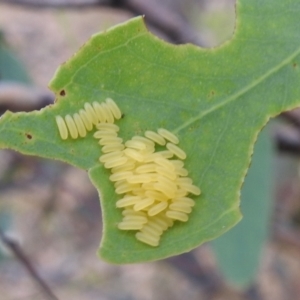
column 154, row 184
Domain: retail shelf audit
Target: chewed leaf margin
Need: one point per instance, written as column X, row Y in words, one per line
column 216, row 101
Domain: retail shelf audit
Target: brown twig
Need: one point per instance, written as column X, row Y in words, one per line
column 20, row 255
column 287, row 140
column 56, row 5
column 288, row 137
column 15, row 96
column 160, row 17
column 292, row 117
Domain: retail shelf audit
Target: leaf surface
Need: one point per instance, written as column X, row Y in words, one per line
column 215, row 100
column 239, row 250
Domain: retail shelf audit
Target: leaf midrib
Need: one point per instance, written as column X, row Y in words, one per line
column 240, row 92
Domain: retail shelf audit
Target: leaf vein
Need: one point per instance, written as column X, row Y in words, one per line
column 240, row 92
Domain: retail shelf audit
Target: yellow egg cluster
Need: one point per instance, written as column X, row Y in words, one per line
column 154, row 184
column 83, row 121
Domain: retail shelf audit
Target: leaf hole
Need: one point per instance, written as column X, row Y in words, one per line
column 62, row 92
column 212, row 93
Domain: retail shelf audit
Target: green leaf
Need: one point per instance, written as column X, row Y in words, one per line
column 215, row 100
column 238, row 251
column 10, row 68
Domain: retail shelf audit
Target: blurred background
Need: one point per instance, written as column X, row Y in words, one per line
column 50, row 219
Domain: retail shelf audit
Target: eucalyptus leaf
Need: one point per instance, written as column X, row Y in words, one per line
column 215, row 100
column 239, row 250
column 11, row 68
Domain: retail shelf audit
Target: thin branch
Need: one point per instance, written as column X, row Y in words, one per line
column 15, row 97
column 169, row 23
column 287, row 141
column 20, row 255
column 56, row 5
column 288, row 137
column 292, row 117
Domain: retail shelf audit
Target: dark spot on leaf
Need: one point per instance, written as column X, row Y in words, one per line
column 211, row 94
column 122, row 116
column 295, row 65
column 62, row 92
column 29, row 136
